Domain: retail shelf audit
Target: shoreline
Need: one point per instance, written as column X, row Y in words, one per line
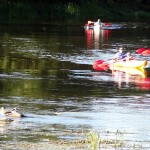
column 92, row 140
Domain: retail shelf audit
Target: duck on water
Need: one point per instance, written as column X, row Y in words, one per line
column 6, row 114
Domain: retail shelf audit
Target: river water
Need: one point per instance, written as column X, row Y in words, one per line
column 46, row 72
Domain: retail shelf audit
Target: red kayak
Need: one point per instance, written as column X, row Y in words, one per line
column 100, row 65
column 146, row 52
column 140, row 50
column 143, row 51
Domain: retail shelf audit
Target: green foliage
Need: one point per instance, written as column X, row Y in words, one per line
column 33, row 11
column 143, row 16
column 72, row 11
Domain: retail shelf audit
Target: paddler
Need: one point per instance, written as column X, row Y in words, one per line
column 120, row 55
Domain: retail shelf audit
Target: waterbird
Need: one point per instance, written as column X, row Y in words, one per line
column 11, row 113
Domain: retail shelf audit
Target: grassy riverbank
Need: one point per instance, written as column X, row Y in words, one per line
column 30, row 11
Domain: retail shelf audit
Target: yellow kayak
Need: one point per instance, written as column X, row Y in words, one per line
column 129, row 64
column 130, row 70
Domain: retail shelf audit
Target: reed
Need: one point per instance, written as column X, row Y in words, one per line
column 96, row 141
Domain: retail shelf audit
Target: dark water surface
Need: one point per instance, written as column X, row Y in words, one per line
column 46, row 72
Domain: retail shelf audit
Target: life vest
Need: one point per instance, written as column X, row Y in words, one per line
column 121, row 55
